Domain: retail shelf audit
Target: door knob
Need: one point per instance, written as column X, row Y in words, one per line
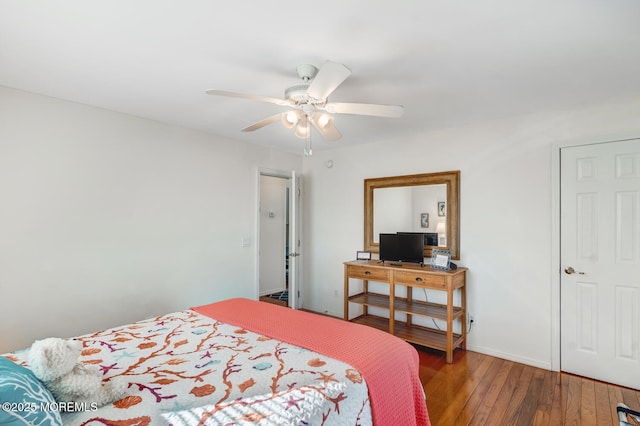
column 569, row 270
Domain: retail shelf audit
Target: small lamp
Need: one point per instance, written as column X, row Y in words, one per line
column 441, row 229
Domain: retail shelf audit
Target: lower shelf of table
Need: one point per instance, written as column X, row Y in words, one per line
column 424, row 336
column 403, row 305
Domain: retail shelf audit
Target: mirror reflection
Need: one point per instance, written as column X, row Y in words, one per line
column 411, row 209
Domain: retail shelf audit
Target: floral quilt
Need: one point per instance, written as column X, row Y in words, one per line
column 186, row 368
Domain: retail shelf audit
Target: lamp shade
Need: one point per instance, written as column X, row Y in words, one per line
column 290, row 119
column 302, row 129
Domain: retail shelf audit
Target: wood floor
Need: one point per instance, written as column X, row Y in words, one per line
column 478, row 389
column 274, row 301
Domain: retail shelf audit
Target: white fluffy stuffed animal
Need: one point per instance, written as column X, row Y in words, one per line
column 56, row 362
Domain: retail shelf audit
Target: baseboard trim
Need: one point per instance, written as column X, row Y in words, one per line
column 321, row 311
column 510, row 357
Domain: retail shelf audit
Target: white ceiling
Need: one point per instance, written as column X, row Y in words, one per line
column 450, row 63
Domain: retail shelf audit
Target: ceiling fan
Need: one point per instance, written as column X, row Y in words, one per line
column 308, row 102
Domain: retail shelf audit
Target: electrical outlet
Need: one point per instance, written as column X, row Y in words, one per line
column 471, row 319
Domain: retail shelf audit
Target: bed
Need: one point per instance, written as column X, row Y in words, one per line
column 241, row 361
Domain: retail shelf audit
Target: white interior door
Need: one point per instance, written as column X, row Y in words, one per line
column 295, row 293
column 600, row 276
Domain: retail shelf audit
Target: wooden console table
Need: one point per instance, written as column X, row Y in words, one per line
column 410, row 276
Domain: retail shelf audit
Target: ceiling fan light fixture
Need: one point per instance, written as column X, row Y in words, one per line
column 302, row 129
column 290, row 119
column 324, row 120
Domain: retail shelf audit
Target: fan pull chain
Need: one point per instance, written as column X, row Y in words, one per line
column 308, row 150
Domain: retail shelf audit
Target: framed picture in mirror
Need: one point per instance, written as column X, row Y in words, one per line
column 424, row 220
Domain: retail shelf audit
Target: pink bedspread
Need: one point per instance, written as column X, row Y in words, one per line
column 388, row 364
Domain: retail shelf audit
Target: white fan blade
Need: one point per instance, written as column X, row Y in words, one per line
column 329, row 77
column 364, row 109
column 261, row 124
column 328, row 130
column 282, row 102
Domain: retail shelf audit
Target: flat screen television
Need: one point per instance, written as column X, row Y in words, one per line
column 402, row 247
column 430, row 238
column 388, row 247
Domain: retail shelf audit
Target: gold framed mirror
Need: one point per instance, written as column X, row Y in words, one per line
column 439, row 214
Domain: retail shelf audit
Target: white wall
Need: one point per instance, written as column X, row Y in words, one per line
column 505, row 215
column 272, row 233
column 107, row 218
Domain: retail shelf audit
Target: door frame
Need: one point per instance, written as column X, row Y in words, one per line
column 555, row 272
column 262, row 171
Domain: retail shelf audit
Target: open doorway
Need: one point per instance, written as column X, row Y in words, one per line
column 274, row 239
